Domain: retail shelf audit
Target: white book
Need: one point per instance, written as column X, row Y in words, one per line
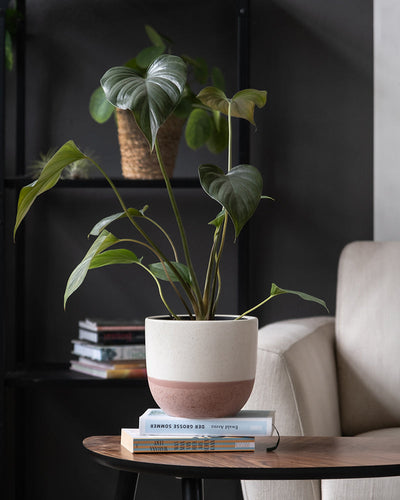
column 108, row 352
column 245, row 423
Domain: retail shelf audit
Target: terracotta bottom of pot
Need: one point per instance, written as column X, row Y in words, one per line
column 200, row 399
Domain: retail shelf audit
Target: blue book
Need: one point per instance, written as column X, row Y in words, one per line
column 246, row 423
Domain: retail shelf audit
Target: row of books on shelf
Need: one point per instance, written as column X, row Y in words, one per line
column 158, row 432
column 109, row 349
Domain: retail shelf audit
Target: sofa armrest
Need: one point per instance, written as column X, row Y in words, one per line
column 296, row 376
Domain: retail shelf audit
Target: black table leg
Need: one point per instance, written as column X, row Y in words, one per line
column 126, row 486
column 192, row 489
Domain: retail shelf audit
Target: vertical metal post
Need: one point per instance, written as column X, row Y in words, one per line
column 126, row 486
column 243, row 71
column 20, row 63
column 19, row 272
column 192, row 488
column 3, row 6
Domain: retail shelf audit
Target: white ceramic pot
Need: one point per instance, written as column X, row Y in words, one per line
column 201, row 369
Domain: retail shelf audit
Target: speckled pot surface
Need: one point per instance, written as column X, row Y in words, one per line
column 201, row 369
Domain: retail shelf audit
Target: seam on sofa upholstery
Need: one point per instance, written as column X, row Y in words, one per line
column 289, row 377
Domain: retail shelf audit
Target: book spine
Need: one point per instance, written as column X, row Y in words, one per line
column 94, row 327
column 112, row 337
column 158, row 445
column 111, row 365
column 244, row 427
column 116, row 373
column 110, row 353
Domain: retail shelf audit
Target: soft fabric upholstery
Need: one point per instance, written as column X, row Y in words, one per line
column 328, row 376
column 368, row 337
column 381, row 488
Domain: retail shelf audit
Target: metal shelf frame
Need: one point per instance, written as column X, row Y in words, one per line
column 50, row 376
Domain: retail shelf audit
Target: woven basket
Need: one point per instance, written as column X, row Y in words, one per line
column 136, row 160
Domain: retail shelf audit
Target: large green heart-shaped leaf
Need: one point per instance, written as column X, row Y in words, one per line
column 155, row 37
column 198, row 128
column 238, row 191
column 151, row 98
column 49, row 176
column 147, row 56
column 218, row 140
column 242, row 103
column 99, row 108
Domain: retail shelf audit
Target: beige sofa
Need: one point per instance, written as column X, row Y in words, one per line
column 337, row 376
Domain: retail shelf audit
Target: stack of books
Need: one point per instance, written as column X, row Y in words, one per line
column 161, row 433
column 110, row 349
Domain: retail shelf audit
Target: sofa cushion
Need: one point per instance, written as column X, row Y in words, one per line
column 368, row 336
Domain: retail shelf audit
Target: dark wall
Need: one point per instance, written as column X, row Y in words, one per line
column 313, row 145
column 70, row 44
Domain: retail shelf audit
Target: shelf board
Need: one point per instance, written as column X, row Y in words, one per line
column 61, row 376
column 176, row 182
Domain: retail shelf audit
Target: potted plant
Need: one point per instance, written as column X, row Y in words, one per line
column 198, row 363
column 203, row 126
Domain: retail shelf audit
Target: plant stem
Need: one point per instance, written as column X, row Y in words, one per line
column 181, row 228
column 161, row 255
column 211, row 298
column 159, row 291
column 229, row 137
column 256, row 307
column 211, row 266
column 149, row 247
column 216, row 279
column 165, row 234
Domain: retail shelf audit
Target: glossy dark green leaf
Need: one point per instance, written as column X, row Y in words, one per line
column 155, row 38
column 147, row 55
column 242, row 103
column 238, row 191
column 275, row 290
column 200, row 67
column 103, row 223
column 100, row 109
column 159, row 272
column 101, row 243
column 132, row 63
column 49, row 176
column 218, row 79
column 151, row 98
column 184, row 107
column 218, row 140
column 198, row 128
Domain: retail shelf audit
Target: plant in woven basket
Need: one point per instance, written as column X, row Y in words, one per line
column 238, row 190
column 203, row 126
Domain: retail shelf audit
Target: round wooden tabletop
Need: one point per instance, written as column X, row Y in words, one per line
column 295, row 458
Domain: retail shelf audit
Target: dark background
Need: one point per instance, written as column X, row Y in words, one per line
column 313, row 145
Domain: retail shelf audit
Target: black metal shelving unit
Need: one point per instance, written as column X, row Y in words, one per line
column 23, row 376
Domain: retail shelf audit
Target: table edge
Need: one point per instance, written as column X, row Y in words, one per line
column 245, row 473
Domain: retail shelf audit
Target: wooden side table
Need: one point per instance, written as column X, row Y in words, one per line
column 296, row 458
